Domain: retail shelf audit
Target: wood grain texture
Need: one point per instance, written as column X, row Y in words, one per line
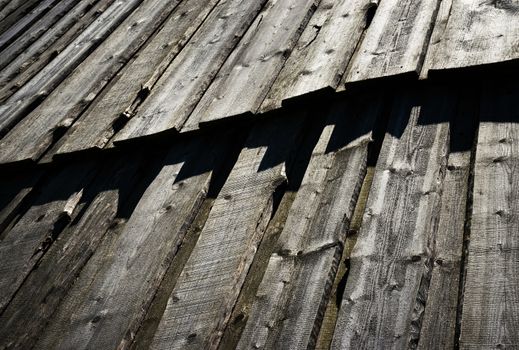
column 104, row 308
column 201, row 303
column 490, row 310
column 471, row 33
column 96, row 126
column 244, row 80
column 186, row 79
column 291, row 299
column 390, row 263
column 396, row 41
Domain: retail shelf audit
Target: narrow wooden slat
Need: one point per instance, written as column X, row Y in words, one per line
column 490, row 315
column 321, row 56
column 184, row 82
column 395, row 42
column 58, row 69
column 95, row 127
column 32, row 136
column 244, row 80
column 291, row 299
column 104, row 308
column 473, row 33
column 207, row 289
column 391, row 261
column 14, row 11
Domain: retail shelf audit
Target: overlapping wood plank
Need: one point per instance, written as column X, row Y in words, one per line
column 490, row 314
column 291, row 299
column 244, row 80
column 391, row 261
column 96, row 126
column 201, row 303
column 33, row 135
column 104, row 308
column 472, row 33
column 396, row 41
column 186, row 79
column 43, row 83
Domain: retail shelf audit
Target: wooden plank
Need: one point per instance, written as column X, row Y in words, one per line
column 291, row 299
column 14, row 11
column 321, row 56
column 43, row 83
column 244, row 80
column 95, row 126
column 490, row 316
column 184, row 82
column 25, row 244
column 391, row 261
column 39, row 54
column 38, row 298
column 396, row 41
column 106, row 305
column 201, row 303
column 442, row 299
column 473, row 33
column 35, row 133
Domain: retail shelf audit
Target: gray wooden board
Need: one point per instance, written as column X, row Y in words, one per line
column 182, row 85
column 13, row 11
column 94, row 128
column 473, row 33
column 25, row 243
column 37, row 299
column 439, row 320
column 247, row 75
column 207, row 289
column 321, row 55
column 396, row 41
column 40, row 53
column 291, row 299
column 104, row 308
column 390, row 263
column 43, row 83
column 490, row 315
column 34, row 134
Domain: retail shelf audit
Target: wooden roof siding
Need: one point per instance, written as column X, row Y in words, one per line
column 272, row 174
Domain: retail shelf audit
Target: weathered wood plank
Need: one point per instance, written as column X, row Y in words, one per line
column 321, row 56
column 201, row 303
column 244, row 80
column 186, row 79
column 395, row 42
column 14, row 11
column 35, row 133
column 291, row 299
column 469, row 33
column 390, row 263
column 43, row 83
column 106, row 305
column 490, row 315
column 95, row 127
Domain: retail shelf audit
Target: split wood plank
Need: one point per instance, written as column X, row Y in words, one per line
column 106, row 305
column 246, row 77
column 490, row 315
column 43, row 83
column 469, row 33
column 293, row 294
column 38, row 298
column 55, row 40
column 186, row 79
column 441, row 305
column 95, row 128
column 25, row 244
column 35, row 133
column 201, row 303
column 321, row 56
column 390, row 263
column 395, row 42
